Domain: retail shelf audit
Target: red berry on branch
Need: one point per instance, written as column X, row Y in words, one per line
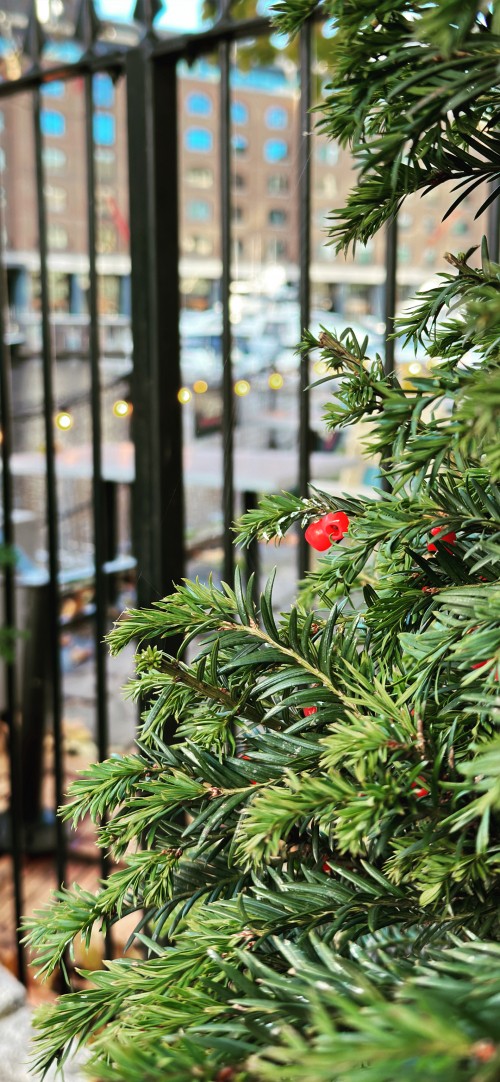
column 483, row 1050
column 336, row 522
column 481, row 664
column 317, row 537
column 309, row 710
column 226, row 1074
column 450, row 537
column 324, row 531
column 419, row 792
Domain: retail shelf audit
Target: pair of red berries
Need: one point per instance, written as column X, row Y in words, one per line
column 322, row 533
column 449, row 537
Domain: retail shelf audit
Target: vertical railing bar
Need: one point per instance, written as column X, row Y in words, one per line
column 52, row 503
column 97, row 483
column 226, row 344
column 391, row 249
column 304, row 195
column 15, row 813
column 493, row 229
column 158, row 503
column 390, row 301
column 146, row 516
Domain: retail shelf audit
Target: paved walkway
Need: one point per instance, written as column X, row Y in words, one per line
column 16, row 1036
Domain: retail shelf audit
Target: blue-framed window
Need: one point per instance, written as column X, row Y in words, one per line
column 275, row 150
column 53, row 90
column 239, row 112
column 104, row 129
column 239, row 144
column 103, row 91
column 198, row 210
column 198, row 104
column 52, row 123
column 277, row 117
column 199, row 139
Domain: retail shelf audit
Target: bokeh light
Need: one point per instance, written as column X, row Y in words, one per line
column 64, row 420
column 275, row 381
column 184, row 395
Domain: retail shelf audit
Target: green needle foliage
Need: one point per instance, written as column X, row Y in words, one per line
column 314, row 862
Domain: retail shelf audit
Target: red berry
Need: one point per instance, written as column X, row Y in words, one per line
column 451, row 537
column 325, row 867
column 310, row 710
column 481, row 664
column 336, row 524
column 244, row 757
column 483, row 1050
column 322, row 533
column 316, row 536
column 419, row 792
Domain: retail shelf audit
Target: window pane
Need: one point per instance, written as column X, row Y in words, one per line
column 57, row 237
column 275, row 150
column 193, row 245
column 104, row 129
column 277, row 117
column 106, row 163
column 327, row 153
column 199, row 211
column 52, row 123
column 239, row 144
column 56, row 198
column 276, row 250
column 239, row 113
column 103, row 91
column 199, row 105
column 277, row 217
column 53, row 159
column 277, row 184
column 199, row 139
column 53, row 90
column 199, row 177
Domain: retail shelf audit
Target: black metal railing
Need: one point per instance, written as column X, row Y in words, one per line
column 148, row 63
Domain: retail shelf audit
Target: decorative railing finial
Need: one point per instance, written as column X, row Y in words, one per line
column 145, row 12
column 33, row 38
column 87, row 24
